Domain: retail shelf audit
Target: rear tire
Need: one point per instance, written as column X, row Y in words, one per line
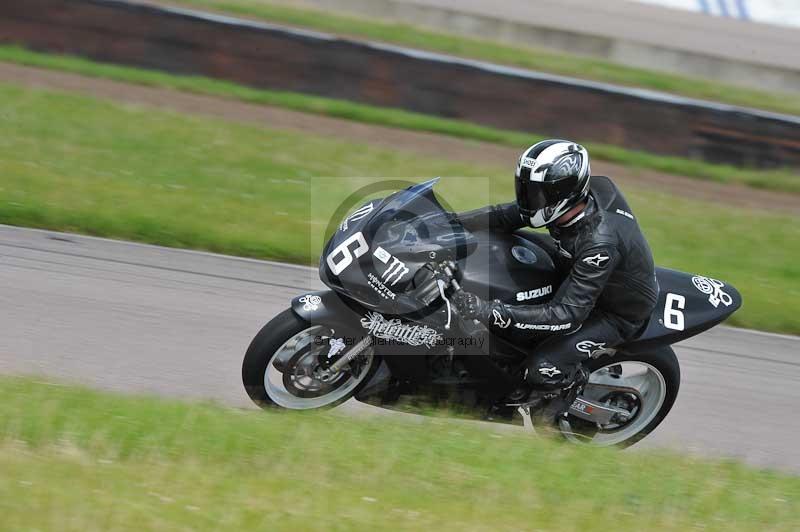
column 271, row 354
column 665, row 364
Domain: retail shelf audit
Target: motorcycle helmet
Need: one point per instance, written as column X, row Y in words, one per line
column 552, row 177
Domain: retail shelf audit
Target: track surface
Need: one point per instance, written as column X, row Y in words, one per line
column 138, row 318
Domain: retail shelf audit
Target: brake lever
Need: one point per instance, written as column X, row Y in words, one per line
column 440, row 284
column 454, row 284
column 473, row 328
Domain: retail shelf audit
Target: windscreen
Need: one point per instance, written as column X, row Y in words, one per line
column 374, row 259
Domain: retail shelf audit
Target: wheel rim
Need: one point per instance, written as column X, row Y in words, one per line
column 634, row 385
column 291, row 378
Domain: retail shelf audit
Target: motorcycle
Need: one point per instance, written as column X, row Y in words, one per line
column 385, row 332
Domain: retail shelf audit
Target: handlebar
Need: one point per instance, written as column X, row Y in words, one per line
column 456, row 286
column 472, row 328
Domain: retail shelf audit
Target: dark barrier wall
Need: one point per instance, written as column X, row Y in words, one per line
column 273, row 57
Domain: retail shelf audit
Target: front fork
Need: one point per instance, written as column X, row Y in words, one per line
column 331, row 371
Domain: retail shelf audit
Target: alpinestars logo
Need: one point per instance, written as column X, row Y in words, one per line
column 359, row 214
column 598, row 261
column 538, row 327
column 550, row 372
column 499, row 321
column 593, row 349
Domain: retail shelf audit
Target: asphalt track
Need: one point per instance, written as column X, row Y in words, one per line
column 138, row 318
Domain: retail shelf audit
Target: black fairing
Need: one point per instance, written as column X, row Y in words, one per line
column 371, row 262
column 687, row 305
column 412, row 228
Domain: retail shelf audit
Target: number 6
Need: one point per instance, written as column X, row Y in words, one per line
column 343, row 249
column 673, row 317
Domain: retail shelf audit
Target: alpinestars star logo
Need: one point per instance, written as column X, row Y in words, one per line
column 598, row 261
column 593, row 349
column 550, row 372
column 499, row 321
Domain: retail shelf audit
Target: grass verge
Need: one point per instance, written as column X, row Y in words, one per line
column 487, row 50
column 75, row 459
column 74, row 163
column 784, row 180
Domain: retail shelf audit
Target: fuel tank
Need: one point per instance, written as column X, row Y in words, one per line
column 514, row 268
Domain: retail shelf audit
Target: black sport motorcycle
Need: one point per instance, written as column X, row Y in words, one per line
column 385, row 332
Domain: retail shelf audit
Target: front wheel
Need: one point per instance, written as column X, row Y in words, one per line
column 283, row 366
column 645, row 385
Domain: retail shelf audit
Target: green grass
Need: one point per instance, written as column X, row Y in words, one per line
column 784, row 180
column 557, row 63
column 74, row 459
column 75, row 163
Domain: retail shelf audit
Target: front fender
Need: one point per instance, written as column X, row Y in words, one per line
column 326, row 307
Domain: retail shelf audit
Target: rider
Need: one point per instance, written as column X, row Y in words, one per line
column 610, row 287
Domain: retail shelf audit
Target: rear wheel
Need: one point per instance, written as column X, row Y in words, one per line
column 645, row 385
column 283, row 366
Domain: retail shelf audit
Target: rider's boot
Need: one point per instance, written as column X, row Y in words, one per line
column 551, row 400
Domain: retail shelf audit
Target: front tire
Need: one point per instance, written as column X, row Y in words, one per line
column 654, row 379
column 281, row 367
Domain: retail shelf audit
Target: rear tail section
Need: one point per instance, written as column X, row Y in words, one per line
column 687, row 305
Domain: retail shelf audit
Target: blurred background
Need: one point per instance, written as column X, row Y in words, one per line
column 241, row 126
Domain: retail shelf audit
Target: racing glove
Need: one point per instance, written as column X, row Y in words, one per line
column 471, row 306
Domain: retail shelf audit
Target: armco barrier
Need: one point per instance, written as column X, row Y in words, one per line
column 267, row 56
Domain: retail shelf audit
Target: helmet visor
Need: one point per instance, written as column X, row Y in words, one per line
column 533, row 196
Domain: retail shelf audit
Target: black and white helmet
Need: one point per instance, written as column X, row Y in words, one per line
column 552, row 177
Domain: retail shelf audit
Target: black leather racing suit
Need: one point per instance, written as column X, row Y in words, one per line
column 605, row 299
